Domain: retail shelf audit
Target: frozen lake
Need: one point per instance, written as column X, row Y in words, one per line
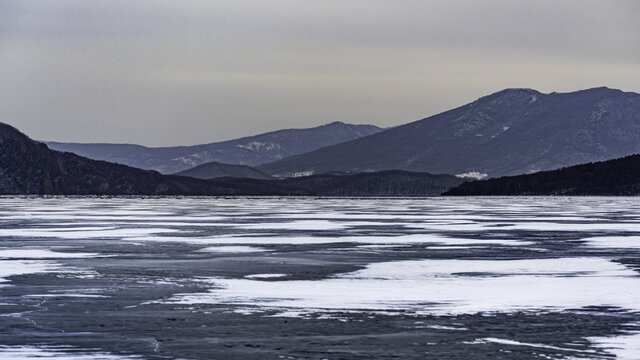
column 307, row 278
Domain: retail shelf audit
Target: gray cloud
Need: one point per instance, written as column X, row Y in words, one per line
column 181, row 72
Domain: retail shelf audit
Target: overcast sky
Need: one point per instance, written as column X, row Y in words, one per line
column 182, row 72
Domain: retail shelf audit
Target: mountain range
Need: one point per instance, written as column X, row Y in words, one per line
column 30, row 167
column 511, row 132
column 514, row 131
column 251, row 151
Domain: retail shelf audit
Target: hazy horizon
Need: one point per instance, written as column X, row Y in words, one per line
column 163, row 73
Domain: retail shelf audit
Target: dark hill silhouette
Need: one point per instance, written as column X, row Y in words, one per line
column 383, row 183
column 612, row 177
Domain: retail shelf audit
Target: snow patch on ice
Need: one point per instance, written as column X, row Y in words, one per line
column 40, row 253
column 614, row 242
column 313, row 240
column 55, row 353
column 623, row 347
column 233, row 249
column 83, row 232
column 295, row 225
column 381, row 246
column 534, row 345
column 71, row 295
column 442, row 287
column 18, row 267
column 442, row 327
column 265, row 276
